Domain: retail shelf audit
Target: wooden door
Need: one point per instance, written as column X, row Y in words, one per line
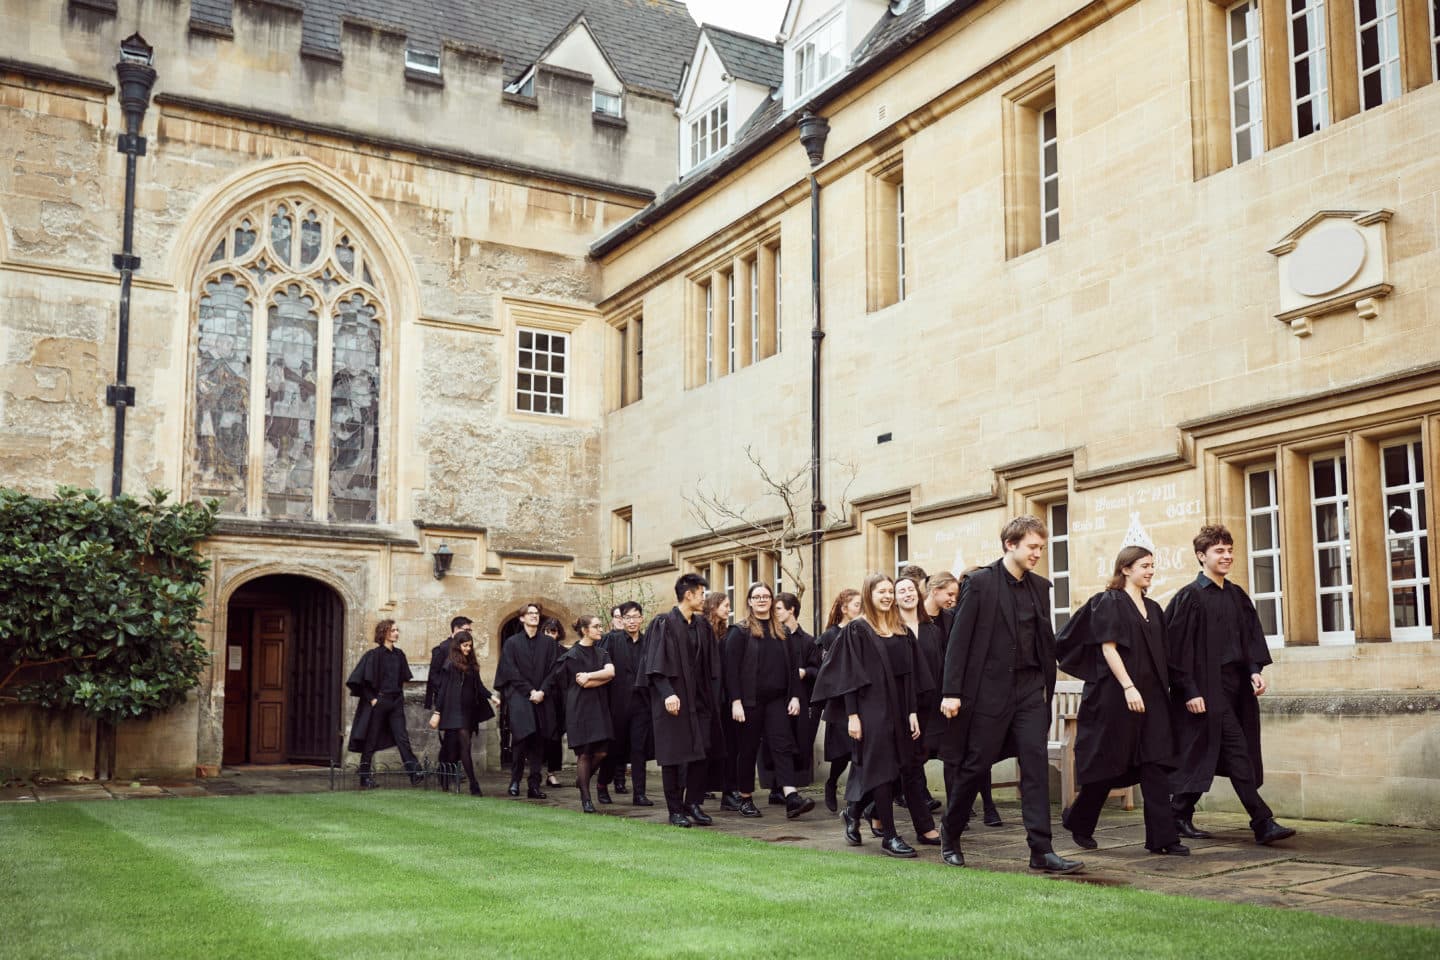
column 271, row 640
column 239, row 630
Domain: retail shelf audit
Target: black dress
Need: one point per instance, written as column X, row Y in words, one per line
column 462, row 699
column 930, row 642
column 587, row 709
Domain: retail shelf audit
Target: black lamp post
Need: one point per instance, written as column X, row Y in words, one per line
column 813, row 131
column 444, row 556
column 137, row 78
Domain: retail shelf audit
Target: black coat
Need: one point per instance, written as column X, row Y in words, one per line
column 1196, row 645
column 693, row 676
column 587, row 709
column 980, row 655
column 461, row 698
column 627, row 655
column 806, row 653
column 439, row 656
column 862, row 674
column 837, row 740
column 525, row 665
column 1112, row 741
column 931, row 640
column 740, row 654
column 364, row 680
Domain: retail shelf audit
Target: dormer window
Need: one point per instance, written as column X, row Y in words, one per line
column 609, row 104
column 422, row 62
column 709, row 131
column 815, row 57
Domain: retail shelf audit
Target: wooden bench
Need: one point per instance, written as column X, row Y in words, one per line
column 1064, row 714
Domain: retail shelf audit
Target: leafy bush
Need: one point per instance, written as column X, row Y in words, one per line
column 99, row 600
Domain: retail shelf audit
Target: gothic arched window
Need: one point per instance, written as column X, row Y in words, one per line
column 289, row 283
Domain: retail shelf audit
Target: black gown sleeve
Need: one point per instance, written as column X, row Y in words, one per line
column 732, row 657
column 962, row 630
column 1181, row 622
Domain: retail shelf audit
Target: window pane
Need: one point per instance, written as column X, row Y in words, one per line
column 1060, row 555
column 222, row 392
column 1062, row 592
column 1327, row 529
column 1060, row 520
column 1260, row 489
column 1397, row 465
column 527, row 340
column 1264, row 575
column 1328, row 561
column 1405, row 606
column 355, row 412
column 1260, row 533
column 290, row 403
column 1324, row 473
column 1268, row 619
column 1332, row 613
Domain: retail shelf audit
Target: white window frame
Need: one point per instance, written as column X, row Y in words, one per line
column 1317, row 56
column 1049, row 174
column 754, row 268
column 778, row 325
column 752, row 571
column 900, row 547
column 1434, row 39
column 564, row 375
column 1419, row 536
column 830, row 29
column 1346, row 589
column 900, row 239
column 707, row 130
column 1059, row 533
column 729, row 573
column 779, row 573
column 1387, row 28
column 731, row 349
column 1268, row 514
column 608, row 104
column 422, row 62
column 1251, row 132
column 709, row 332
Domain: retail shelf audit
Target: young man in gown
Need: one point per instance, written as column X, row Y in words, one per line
column 629, row 708
column 526, row 659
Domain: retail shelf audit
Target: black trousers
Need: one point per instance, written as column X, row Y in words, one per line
column 767, row 720
column 387, row 714
column 1154, row 788
column 530, row 750
column 684, row 784
column 1234, row 754
column 1025, row 721
column 917, row 797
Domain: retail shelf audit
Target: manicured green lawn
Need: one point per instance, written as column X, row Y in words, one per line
column 401, row 874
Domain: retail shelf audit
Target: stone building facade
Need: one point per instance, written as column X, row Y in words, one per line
column 1147, row 262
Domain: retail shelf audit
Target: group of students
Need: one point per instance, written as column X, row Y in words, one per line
column 909, row 669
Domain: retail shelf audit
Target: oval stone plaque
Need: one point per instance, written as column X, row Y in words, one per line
column 1326, row 260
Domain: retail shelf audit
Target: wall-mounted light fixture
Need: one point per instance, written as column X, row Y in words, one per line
column 443, row 558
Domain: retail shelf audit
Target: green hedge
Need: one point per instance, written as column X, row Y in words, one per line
column 99, row 601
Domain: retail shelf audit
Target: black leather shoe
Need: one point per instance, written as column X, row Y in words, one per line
column 798, row 805
column 1187, row 829
column 895, row 847
column 852, row 828
column 1176, row 849
column 697, row 816
column 553, row 782
column 832, row 803
column 731, row 801
column 475, row 790
column 748, row 808
column 603, row 794
column 925, row 841
column 679, row 820
column 1270, row 831
column 535, row 793
column 1054, row 863
column 935, row 804
column 514, row 790
column 586, row 806
column 620, row 787
column 640, row 800
column 950, row 853
column 1084, row 842
column 876, row 831
column 777, row 798
column 992, row 818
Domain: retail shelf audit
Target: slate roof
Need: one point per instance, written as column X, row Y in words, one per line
column 748, row 58
column 649, row 41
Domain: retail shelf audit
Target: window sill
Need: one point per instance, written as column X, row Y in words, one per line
column 424, row 79
column 609, row 120
column 520, row 100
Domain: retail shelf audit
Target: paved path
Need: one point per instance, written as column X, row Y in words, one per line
column 1358, row 871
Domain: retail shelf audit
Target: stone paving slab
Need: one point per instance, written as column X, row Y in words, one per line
column 1381, row 887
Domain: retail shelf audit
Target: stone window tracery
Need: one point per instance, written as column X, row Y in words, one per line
column 288, row 283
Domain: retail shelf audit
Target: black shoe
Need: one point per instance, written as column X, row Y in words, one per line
column 777, row 798
column 1084, row 842
column 992, row 818
column 832, row 803
column 640, row 800
column 535, row 793
column 731, row 801
column 876, row 831
column 950, row 853
column 935, row 804
column 895, row 847
column 852, row 828
column 553, row 782
column 603, row 794
column 748, row 808
column 475, row 790
column 797, row 805
column 1054, row 863
column 679, row 820
column 586, row 806
column 416, row 779
column 925, row 841
column 367, row 783
column 1176, row 849
column 697, row 816
column 514, row 790
column 620, row 787
column 1270, row 831
column 1187, row 829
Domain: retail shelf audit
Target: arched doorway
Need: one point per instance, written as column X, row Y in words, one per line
column 284, row 642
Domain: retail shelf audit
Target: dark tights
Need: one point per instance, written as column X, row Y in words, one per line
column 456, row 746
column 585, row 766
column 837, row 767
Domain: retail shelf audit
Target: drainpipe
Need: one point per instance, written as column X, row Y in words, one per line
column 137, row 78
column 813, row 131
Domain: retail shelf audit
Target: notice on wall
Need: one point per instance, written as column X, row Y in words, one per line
column 234, row 652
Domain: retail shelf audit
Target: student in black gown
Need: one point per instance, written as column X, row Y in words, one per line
column 1116, row 644
column 580, row 677
column 725, row 739
column 462, row 702
column 870, row 680
column 554, row 747
column 629, row 709
column 837, row 741
column 439, row 656
column 805, row 652
column 526, row 659
column 682, row 671
column 763, row 684
column 378, row 681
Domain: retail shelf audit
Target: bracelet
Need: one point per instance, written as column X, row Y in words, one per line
column 1130, row 687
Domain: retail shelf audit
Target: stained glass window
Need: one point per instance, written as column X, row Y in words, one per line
column 293, row 328
column 355, row 411
column 222, row 391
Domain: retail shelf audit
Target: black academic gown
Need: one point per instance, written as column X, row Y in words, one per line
column 461, row 699
column 692, row 674
column 930, row 640
column 587, row 709
column 1113, row 741
column 1195, row 645
column 525, row 665
column 837, row 740
column 626, row 699
column 740, row 653
column 980, row 660
column 363, row 681
column 439, row 656
column 804, row 652
column 861, row 676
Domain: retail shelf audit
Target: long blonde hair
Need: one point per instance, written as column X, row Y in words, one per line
column 887, row 622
